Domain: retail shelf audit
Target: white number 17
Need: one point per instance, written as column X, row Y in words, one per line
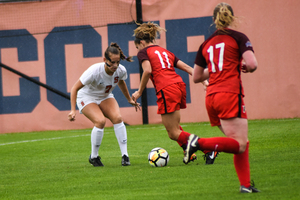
column 210, row 51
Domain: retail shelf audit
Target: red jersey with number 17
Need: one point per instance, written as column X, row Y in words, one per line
column 162, row 63
column 222, row 54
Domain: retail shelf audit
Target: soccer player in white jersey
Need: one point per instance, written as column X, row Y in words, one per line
column 94, row 98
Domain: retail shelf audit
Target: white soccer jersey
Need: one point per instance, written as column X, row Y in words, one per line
column 98, row 83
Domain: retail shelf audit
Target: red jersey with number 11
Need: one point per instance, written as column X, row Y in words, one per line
column 162, row 63
column 222, row 54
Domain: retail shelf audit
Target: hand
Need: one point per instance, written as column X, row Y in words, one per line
column 72, row 115
column 135, row 96
column 244, row 67
column 135, row 104
column 205, row 84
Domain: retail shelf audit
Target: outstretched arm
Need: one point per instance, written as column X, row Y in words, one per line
column 123, row 87
column 184, row 67
column 145, row 78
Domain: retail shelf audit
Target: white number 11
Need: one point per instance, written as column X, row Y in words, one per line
column 210, row 51
column 161, row 59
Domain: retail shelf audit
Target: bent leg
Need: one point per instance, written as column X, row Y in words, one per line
column 93, row 113
column 236, row 128
column 171, row 121
column 219, row 144
column 111, row 110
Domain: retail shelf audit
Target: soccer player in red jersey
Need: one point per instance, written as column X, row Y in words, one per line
column 159, row 65
column 226, row 53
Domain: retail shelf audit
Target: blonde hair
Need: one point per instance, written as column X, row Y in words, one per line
column 223, row 16
column 147, row 31
column 114, row 48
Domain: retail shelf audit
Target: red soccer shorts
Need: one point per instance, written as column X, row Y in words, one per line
column 171, row 98
column 224, row 105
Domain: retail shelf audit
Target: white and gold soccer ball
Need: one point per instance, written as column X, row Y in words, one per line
column 158, row 157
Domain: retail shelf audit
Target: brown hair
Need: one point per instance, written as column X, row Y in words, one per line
column 147, row 31
column 115, row 49
column 223, row 16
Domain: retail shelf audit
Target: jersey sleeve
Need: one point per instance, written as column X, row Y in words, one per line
column 87, row 76
column 123, row 74
column 244, row 43
column 175, row 60
column 200, row 60
column 142, row 55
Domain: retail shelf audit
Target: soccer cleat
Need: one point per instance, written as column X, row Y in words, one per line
column 192, row 147
column 193, row 156
column 250, row 189
column 125, row 160
column 96, row 162
column 210, row 157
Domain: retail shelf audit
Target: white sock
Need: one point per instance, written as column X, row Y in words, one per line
column 96, row 139
column 121, row 134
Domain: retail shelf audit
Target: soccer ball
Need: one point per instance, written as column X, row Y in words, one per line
column 158, row 157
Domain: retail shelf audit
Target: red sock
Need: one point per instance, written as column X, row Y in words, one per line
column 183, row 138
column 242, row 167
column 219, row 144
column 180, row 128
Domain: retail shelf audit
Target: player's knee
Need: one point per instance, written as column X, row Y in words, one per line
column 99, row 123
column 116, row 120
column 243, row 146
column 172, row 135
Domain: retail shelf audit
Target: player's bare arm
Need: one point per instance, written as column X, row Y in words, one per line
column 77, row 86
column 249, row 63
column 123, row 87
column 145, row 77
column 184, row 67
column 200, row 74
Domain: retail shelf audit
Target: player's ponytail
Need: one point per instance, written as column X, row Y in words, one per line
column 114, row 48
column 147, row 31
column 223, row 16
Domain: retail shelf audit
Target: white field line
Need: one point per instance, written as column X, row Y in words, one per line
column 160, row 128
column 43, row 139
column 58, row 138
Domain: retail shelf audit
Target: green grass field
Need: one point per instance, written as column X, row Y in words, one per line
column 54, row 165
